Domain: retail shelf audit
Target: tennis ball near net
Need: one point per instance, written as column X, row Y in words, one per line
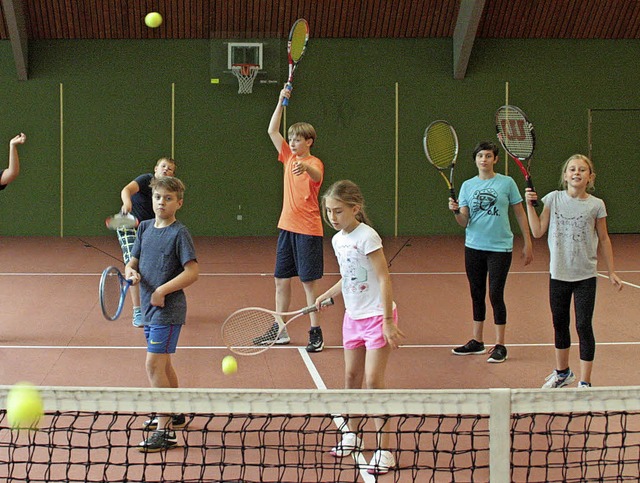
column 229, row 365
column 24, row 406
column 153, row 20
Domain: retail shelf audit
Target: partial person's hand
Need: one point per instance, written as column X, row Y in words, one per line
column 19, row 139
column 392, row 334
column 298, row 168
column 615, row 281
column 530, row 196
column 132, row 275
column 157, row 299
column 453, row 205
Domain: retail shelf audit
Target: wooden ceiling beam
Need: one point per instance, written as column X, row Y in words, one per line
column 465, row 34
column 16, row 27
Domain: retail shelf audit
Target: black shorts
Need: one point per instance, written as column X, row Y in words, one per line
column 299, row 256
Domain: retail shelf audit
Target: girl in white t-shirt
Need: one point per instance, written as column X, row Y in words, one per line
column 577, row 224
column 370, row 329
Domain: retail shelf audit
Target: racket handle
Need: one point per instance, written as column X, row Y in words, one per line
column 312, row 308
column 285, row 100
column 452, row 194
column 534, row 203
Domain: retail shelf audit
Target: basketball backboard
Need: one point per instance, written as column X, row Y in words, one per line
column 270, row 54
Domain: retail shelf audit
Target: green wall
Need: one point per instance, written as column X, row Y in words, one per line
column 116, row 99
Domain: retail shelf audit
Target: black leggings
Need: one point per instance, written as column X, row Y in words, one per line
column 478, row 264
column 584, row 300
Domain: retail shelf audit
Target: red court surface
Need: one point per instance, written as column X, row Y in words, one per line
column 53, row 332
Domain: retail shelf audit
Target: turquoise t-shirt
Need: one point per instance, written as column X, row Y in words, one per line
column 488, row 201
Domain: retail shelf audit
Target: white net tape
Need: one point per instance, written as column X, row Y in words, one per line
column 245, row 74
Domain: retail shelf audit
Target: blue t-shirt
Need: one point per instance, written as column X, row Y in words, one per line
column 488, row 201
column 162, row 253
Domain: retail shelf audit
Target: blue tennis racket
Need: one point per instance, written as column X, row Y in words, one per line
column 113, row 292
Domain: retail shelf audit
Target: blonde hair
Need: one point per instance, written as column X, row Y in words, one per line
column 304, row 129
column 592, row 181
column 346, row 192
column 170, row 184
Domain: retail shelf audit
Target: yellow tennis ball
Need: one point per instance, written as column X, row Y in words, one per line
column 229, row 365
column 153, row 20
column 24, row 406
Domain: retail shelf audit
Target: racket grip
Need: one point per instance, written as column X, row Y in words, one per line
column 285, row 100
column 534, row 203
column 452, row 194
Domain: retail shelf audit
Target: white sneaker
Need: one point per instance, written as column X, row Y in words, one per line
column 555, row 380
column 381, row 462
column 350, row 443
column 283, row 338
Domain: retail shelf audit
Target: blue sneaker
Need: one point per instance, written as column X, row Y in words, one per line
column 138, row 319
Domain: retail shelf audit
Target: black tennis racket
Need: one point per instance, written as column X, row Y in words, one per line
column 440, row 143
column 253, row 330
column 298, row 39
column 518, row 138
column 113, row 292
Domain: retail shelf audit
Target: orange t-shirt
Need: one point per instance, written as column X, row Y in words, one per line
column 300, row 207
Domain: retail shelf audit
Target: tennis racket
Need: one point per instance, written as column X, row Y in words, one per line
column 113, row 291
column 120, row 221
column 441, row 147
column 298, row 39
column 253, row 330
column 516, row 134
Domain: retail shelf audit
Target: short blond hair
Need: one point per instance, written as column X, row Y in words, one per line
column 169, row 183
column 592, row 182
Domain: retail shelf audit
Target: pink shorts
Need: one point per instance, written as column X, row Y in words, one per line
column 366, row 333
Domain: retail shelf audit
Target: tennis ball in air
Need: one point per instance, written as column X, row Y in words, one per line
column 153, row 20
column 24, row 406
column 229, row 365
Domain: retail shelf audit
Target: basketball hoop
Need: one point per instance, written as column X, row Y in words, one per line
column 245, row 73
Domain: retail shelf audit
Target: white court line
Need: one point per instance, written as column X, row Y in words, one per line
column 337, row 419
column 305, row 356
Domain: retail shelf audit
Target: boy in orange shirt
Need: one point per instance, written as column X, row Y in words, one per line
column 299, row 251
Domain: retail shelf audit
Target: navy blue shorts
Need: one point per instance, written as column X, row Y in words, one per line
column 299, row 256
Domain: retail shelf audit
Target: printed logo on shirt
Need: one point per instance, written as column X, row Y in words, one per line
column 485, row 200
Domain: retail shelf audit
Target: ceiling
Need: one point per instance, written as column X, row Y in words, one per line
column 202, row 19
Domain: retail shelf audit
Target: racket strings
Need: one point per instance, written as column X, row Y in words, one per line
column 441, row 144
column 250, row 331
column 516, row 133
column 298, row 41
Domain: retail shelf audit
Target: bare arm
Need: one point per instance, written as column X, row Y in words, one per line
column 606, row 250
column 13, row 170
column 538, row 224
column 126, row 194
column 391, row 333
column 333, row 292
column 314, row 173
column 274, row 123
column 187, row 277
column 521, row 217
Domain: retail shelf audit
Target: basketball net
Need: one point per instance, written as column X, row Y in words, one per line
column 245, row 73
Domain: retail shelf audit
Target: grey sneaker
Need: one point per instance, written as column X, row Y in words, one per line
column 316, row 343
column 555, row 379
column 498, row 354
column 472, row 347
column 138, row 319
column 159, row 441
column 178, row 421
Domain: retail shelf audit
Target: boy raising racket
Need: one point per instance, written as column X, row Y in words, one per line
column 577, row 224
column 136, row 199
column 13, row 169
column 163, row 262
column 299, row 252
column 484, row 203
column 369, row 328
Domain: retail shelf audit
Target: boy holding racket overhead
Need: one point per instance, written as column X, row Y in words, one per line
column 483, row 206
column 299, row 251
column 13, row 169
column 136, row 199
column 163, row 262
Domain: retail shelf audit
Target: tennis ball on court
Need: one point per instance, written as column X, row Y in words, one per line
column 229, row 365
column 153, row 20
column 24, row 406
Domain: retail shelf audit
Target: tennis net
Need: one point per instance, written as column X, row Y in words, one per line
column 497, row 435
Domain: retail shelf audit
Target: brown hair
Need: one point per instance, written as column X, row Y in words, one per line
column 349, row 193
column 169, row 183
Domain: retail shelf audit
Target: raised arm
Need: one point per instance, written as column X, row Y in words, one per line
column 274, row 123
column 13, row 170
column 538, row 224
column 126, row 194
